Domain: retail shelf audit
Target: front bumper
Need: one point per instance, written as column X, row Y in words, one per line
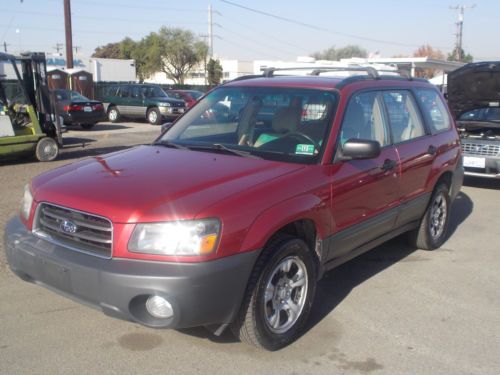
column 481, row 157
column 201, row 294
column 172, row 112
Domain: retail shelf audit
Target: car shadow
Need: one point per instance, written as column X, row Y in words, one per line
column 482, row 183
column 98, row 127
column 338, row 283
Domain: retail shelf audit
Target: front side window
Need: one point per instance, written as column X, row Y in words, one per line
column 404, row 115
column 434, row 110
column 285, row 124
column 364, row 119
column 125, row 91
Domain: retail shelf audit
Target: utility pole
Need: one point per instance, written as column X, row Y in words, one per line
column 69, row 34
column 460, row 24
column 210, row 32
column 5, row 44
column 58, row 47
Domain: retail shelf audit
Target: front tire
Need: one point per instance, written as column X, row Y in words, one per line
column 279, row 295
column 433, row 229
column 154, row 116
column 47, row 149
column 113, row 114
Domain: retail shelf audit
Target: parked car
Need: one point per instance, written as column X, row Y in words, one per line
column 474, row 99
column 76, row 109
column 231, row 220
column 142, row 101
column 189, row 96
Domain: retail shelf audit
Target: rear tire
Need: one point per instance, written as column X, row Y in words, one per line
column 433, row 229
column 87, row 126
column 154, row 116
column 279, row 295
column 47, row 149
column 113, row 114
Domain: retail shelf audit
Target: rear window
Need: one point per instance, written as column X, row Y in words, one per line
column 434, row 110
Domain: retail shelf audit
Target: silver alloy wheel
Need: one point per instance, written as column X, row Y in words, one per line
column 113, row 114
column 438, row 216
column 285, row 294
column 152, row 117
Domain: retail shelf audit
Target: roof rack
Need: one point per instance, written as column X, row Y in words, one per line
column 370, row 71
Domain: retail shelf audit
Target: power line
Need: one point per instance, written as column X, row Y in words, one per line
column 318, row 28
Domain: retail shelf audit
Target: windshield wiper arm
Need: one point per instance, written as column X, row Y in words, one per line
column 223, row 148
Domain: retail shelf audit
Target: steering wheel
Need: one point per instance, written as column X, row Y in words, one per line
column 303, row 137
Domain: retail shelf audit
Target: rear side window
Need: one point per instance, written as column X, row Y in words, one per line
column 434, row 110
column 364, row 119
column 125, row 91
column 404, row 115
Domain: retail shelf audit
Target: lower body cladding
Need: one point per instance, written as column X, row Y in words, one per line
column 156, row 294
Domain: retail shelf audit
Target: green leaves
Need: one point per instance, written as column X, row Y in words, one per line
column 173, row 51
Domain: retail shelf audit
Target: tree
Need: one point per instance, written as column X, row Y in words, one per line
column 177, row 52
column 466, row 58
column 335, row 54
column 427, row 51
column 214, row 71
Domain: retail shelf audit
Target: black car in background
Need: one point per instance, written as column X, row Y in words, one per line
column 474, row 99
column 76, row 109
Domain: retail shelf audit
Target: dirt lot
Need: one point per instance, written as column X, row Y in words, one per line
column 394, row 310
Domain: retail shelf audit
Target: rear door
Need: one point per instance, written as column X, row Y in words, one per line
column 365, row 193
column 123, row 100
column 416, row 150
column 136, row 101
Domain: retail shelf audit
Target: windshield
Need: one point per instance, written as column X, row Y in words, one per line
column 481, row 114
column 195, row 94
column 286, row 124
column 154, row 92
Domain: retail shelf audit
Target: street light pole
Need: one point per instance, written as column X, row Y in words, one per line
column 69, row 34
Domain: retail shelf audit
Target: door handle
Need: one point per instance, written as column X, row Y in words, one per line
column 432, row 150
column 388, row 165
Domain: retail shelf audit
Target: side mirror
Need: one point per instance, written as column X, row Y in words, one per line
column 355, row 149
column 166, row 126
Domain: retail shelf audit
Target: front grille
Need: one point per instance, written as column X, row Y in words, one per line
column 75, row 230
column 480, row 149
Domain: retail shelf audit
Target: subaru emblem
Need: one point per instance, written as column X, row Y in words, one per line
column 68, row 226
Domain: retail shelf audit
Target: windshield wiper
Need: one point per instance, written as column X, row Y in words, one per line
column 166, row 143
column 222, row 148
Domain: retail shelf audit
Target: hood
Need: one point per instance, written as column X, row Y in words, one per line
column 473, row 86
column 173, row 101
column 153, row 183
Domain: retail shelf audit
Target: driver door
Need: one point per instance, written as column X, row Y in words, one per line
column 365, row 193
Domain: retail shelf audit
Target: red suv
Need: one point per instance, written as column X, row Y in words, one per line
column 230, row 220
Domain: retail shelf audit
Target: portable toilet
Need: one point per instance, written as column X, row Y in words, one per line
column 57, row 79
column 82, row 82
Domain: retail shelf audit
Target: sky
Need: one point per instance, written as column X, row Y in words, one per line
column 389, row 27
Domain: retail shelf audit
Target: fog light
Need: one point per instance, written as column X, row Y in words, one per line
column 159, row 307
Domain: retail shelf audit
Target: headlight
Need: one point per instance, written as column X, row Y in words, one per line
column 26, row 202
column 164, row 104
column 185, row 238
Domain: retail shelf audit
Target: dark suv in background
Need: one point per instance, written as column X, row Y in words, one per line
column 474, row 99
column 141, row 101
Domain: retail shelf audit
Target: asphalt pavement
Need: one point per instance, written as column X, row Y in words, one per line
column 393, row 310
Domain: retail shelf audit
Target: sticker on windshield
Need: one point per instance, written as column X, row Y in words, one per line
column 304, row 149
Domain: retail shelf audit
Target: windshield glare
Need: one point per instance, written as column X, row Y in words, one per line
column 286, row 124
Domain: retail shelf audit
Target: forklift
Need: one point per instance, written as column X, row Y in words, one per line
column 28, row 121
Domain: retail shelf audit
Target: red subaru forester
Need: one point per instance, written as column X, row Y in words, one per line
column 235, row 212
